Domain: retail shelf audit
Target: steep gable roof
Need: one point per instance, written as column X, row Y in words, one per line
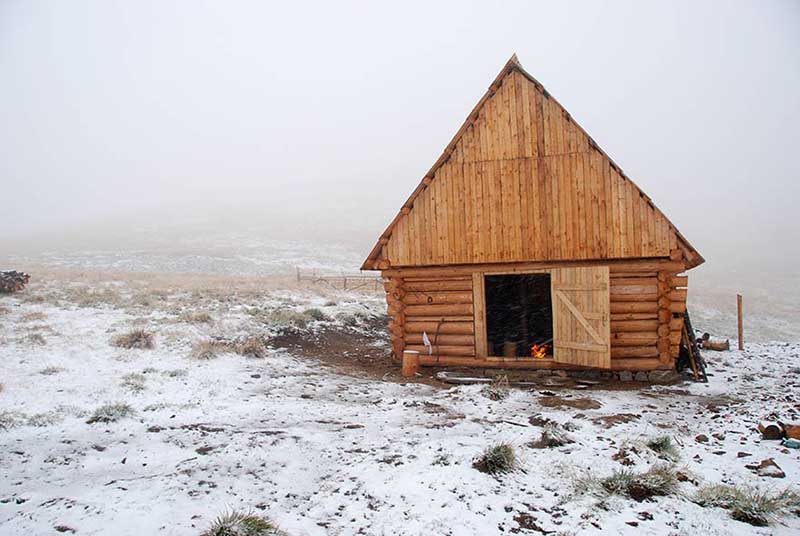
column 521, row 181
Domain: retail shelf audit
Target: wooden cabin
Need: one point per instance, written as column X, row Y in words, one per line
column 526, row 246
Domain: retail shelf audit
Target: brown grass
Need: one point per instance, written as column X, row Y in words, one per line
column 138, row 339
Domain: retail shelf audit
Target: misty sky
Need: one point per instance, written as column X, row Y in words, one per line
column 115, row 113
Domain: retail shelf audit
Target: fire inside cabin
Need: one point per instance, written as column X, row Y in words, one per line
column 519, row 315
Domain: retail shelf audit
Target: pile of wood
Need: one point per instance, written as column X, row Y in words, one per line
column 13, row 281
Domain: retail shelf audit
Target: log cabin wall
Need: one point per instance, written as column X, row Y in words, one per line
column 647, row 299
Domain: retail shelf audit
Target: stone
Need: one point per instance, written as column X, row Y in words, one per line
column 767, row 468
column 743, row 454
column 625, row 376
column 663, row 376
column 641, row 376
column 718, row 435
column 701, row 438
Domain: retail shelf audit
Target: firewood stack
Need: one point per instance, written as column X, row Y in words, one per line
column 13, row 281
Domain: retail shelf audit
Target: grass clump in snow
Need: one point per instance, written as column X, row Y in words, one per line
column 658, row 481
column 251, row 347
column 497, row 459
column 665, row 447
column 758, row 508
column 552, row 436
column 35, row 338
column 197, row 318
column 497, row 390
column 10, row 419
column 208, row 349
column 138, row 338
column 316, row 314
column 134, row 381
column 111, row 413
column 49, row 371
column 236, row 523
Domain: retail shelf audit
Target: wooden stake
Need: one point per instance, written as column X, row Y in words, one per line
column 410, row 363
column 739, row 312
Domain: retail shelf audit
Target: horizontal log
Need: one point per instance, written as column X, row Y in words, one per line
column 454, row 328
column 634, row 289
column 444, row 349
column 644, row 266
column 424, row 279
column 633, row 351
column 652, row 297
column 630, row 275
column 615, row 317
column 634, row 307
column 676, row 324
column 633, row 325
column 512, row 363
column 675, row 337
column 444, row 339
column 433, row 298
column 663, row 330
column 622, row 280
column 677, row 307
column 679, row 281
column 440, row 318
column 443, row 284
column 634, row 339
column 439, row 310
column 677, row 295
column 615, row 266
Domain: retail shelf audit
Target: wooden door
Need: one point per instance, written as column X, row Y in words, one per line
column 581, row 325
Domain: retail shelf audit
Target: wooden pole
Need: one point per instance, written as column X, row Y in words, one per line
column 739, row 313
column 410, row 363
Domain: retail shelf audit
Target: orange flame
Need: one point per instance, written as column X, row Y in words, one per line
column 539, row 351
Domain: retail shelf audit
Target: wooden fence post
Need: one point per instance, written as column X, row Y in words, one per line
column 739, row 314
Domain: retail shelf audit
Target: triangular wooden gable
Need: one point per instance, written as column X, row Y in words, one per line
column 521, row 182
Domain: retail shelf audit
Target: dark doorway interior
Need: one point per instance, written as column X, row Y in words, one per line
column 519, row 315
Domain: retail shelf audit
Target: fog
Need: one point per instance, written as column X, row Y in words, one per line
column 316, row 120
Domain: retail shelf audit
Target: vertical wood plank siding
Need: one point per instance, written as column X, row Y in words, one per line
column 524, row 183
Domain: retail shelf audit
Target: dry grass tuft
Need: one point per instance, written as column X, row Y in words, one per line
column 49, row 371
column 33, row 317
column 36, row 339
column 748, row 505
column 659, row 480
column 197, row 318
column 209, row 349
column 111, row 413
column 236, row 523
column 251, row 347
column 497, row 459
column 138, row 338
column 134, row 381
column 664, row 447
column 498, row 389
column 316, row 314
column 552, row 436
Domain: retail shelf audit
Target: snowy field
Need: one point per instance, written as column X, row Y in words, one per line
column 324, row 449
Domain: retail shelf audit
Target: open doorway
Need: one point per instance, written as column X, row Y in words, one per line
column 519, row 315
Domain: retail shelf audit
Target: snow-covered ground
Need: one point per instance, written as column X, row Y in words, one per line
column 324, row 452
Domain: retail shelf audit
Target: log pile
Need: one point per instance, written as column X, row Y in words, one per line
column 13, row 281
